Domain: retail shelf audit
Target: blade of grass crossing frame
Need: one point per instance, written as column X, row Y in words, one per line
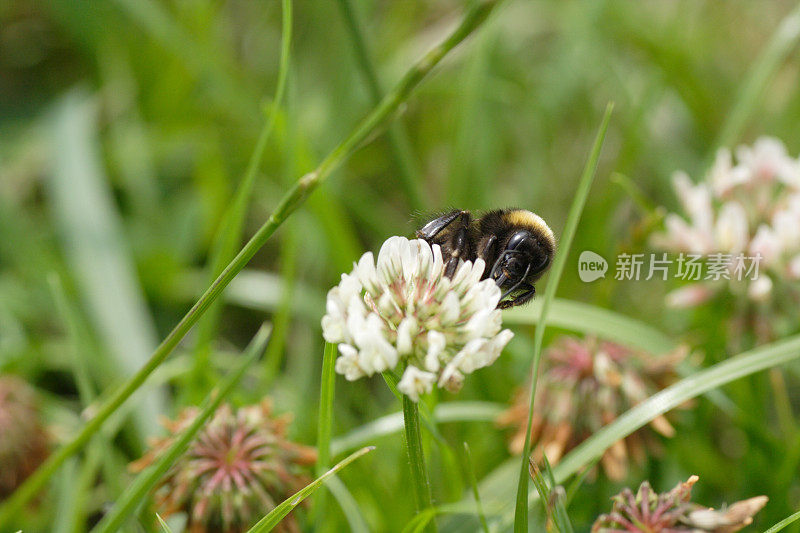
column 783, row 523
column 585, row 183
column 145, row 481
column 325, row 423
column 230, row 230
column 557, row 500
column 348, row 505
column 285, row 507
column 164, row 526
column 290, row 202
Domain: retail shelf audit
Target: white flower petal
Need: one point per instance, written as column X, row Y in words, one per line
column 732, row 230
column 450, row 309
column 416, row 382
column 760, row 288
column 347, row 363
column 406, row 331
column 766, row 243
column 436, row 345
column 689, row 296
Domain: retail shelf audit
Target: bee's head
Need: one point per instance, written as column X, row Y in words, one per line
column 526, row 252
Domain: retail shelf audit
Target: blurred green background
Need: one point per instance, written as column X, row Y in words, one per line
column 125, row 127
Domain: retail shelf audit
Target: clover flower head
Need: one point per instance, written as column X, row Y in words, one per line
column 237, row 469
column 750, row 207
column 23, row 438
column 403, row 310
column 584, row 385
column 671, row 512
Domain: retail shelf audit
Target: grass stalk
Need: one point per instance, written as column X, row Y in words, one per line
column 585, row 183
column 419, row 474
column 784, row 523
column 279, row 513
column 288, row 204
column 325, row 423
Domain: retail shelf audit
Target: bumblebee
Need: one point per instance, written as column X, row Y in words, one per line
column 517, row 246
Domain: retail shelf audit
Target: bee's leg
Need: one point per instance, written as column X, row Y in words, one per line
column 521, row 299
column 486, row 253
column 435, row 226
column 458, row 245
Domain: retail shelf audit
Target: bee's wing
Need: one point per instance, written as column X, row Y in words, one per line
column 435, row 226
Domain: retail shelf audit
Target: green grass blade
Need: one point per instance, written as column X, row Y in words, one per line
column 325, row 422
column 783, row 523
column 326, row 392
column 290, row 202
column 66, row 497
column 349, row 506
column 585, row 183
column 591, row 319
column 280, row 512
column 164, row 526
column 782, row 43
column 553, row 496
column 145, row 481
column 473, row 482
column 230, row 231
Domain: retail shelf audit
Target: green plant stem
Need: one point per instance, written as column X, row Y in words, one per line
column 399, row 143
column 288, row 204
column 419, row 474
column 585, row 183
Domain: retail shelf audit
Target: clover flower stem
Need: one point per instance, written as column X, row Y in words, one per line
column 290, row 202
column 419, row 474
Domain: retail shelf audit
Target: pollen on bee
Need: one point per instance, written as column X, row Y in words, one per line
column 524, row 218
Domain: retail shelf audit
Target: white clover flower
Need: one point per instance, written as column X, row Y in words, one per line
column 751, row 207
column 403, row 310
